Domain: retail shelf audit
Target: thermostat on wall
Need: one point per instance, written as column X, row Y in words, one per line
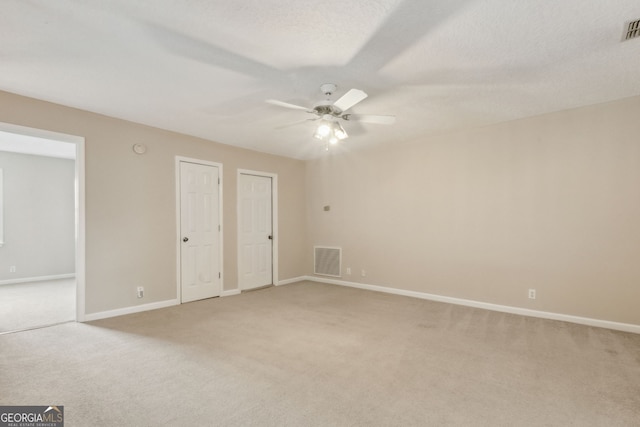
column 139, row 148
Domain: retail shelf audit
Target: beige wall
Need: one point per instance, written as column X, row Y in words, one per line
column 130, row 201
column 550, row 202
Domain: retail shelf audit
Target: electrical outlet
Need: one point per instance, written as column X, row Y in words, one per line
column 140, row 292
column 363, row 273
column 348, row 271
column 532, row 294
column 12, row 269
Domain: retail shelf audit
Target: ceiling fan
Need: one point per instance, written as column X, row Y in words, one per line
column 330, row 113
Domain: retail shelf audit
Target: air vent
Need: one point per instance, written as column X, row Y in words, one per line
column 327, row 260
column 632, row 30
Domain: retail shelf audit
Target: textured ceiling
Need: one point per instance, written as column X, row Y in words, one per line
column 205, row 67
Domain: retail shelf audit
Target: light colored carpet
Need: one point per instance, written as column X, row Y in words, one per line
column 34, row 304
column 310, row 354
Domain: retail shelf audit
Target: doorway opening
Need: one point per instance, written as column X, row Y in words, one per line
column 42, row 228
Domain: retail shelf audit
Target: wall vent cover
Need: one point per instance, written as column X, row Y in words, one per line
column 632, row 30
column 327, row 260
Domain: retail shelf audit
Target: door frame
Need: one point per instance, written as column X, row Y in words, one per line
column 79, row 202
column 274, row 221
column 178, row 160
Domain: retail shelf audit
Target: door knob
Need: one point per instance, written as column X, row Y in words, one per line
column 185, row 239
column 270, row 237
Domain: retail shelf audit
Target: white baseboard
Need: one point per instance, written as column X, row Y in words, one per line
column 230, row 293
column 292, row 280
column 38, row 279
column 129, row 310
column 626, row 327
column 143, row 307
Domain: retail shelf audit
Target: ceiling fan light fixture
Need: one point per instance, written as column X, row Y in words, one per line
column 323, row 130
column 339, row 132
column 330, row 131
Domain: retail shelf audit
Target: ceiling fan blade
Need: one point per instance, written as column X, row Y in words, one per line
column 350, row 99
column 296, row 123
column 208, row 53
column 287, row 105
column 371, row 118
column 409, row 22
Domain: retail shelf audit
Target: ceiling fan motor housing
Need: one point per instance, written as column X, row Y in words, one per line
column 324, row 108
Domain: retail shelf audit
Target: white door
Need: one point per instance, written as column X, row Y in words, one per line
column 255, row 231
column 200, row 273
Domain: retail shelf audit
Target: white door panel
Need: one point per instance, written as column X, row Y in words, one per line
column 199, row 232
column 255, row 231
